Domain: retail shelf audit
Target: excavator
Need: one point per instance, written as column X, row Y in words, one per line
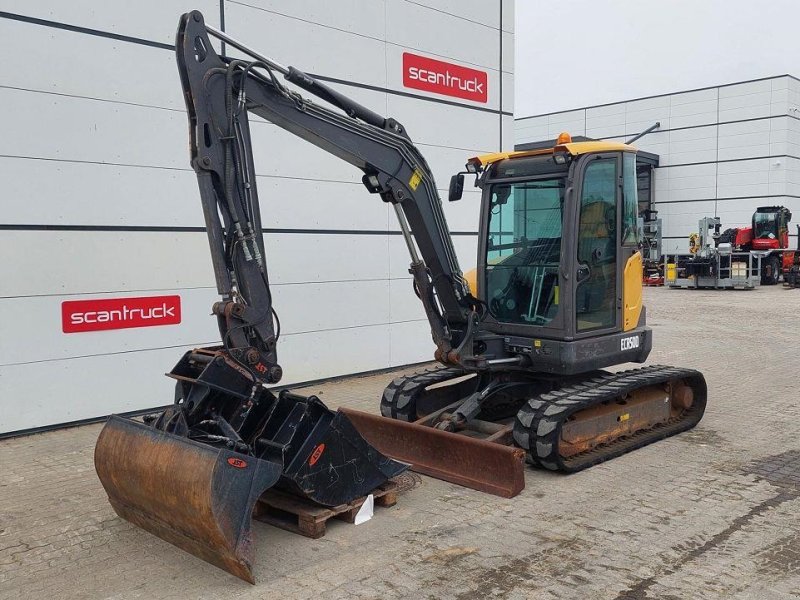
column 522, row 351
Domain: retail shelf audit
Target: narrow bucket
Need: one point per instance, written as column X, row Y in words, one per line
column 333, row 464
column 474, row 463
column 197, row 497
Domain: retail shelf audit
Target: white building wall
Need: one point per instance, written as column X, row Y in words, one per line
column 722, row 150
column 99, row 200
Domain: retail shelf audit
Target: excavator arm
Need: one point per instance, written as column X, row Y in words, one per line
column 220, row 92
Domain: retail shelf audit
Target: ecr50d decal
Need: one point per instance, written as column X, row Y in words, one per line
column 119, row 313
column 629, row 343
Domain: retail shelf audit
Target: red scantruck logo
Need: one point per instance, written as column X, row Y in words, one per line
column 78, row 316
column 427, row 74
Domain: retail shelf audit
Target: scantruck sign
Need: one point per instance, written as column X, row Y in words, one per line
column 430, row 75
column 78, row 316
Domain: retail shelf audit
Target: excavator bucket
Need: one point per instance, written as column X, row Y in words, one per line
column 195, row 496
column 473, row 462
column 200, row 497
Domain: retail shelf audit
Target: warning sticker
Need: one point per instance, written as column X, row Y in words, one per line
column 415, row 180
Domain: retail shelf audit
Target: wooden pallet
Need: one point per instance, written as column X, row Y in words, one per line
column 302, row 516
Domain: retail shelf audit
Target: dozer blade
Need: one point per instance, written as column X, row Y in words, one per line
column 195, row 496
column 471, row 462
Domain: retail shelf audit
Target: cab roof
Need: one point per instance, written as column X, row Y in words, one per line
column 573, row 148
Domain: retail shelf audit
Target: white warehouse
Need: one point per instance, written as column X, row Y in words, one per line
column 719, row 151
column 100, row 203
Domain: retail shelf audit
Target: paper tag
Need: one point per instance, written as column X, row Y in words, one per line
column 365, row 512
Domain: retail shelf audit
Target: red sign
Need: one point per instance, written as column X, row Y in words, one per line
column 119, row 313
column 422, row 73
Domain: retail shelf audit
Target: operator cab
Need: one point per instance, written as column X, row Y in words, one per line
column 559, row 230
column 771, row 227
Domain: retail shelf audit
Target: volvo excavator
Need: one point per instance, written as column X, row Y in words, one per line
column 558, row 298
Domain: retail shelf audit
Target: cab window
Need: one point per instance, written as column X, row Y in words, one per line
column 630, row 201
column 523, row 250
column 596, row 291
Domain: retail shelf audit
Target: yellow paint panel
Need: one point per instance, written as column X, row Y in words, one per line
column 632, row 292
column 471, row 277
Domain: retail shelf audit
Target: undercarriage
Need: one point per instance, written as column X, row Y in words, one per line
column 563, row 423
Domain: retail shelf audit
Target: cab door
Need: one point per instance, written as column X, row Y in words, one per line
column 596, row 278
column 607, row 238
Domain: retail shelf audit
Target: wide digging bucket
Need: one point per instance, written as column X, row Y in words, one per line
column 472, row 462
column 201, row 497
column 195, row 496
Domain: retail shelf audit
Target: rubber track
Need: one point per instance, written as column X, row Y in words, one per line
column 400, row 395
column 537, row 427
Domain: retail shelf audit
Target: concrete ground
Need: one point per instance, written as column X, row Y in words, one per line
column 712, row 513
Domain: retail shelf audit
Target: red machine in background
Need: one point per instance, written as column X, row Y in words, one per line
column 791, row 274
column 768, row 235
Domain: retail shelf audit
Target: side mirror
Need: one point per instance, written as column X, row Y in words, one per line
column 456, row 187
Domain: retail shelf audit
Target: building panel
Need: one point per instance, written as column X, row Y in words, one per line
column 73, row 193
column 403, row 336
column 83, row 262
column 337, row 53
column 531, row 129
column 435, row 33
column 573, row 121
column 149, row 20
column 323, row 354
column 690, row 109
column 75, row 389
column 102, row 57
column 72, row 128
column 643, row 114
column 692, row 145
column 604, row 121
column 355, row 16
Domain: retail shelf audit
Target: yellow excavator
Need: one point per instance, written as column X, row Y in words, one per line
column 557, row 298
